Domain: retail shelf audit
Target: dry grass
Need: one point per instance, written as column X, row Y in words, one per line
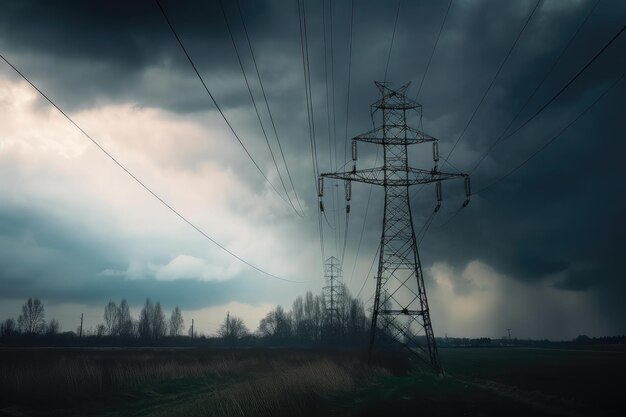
column 233, row 381
column 288, row 391
column 81, row 375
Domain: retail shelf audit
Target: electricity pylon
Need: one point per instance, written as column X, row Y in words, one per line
column 400, row 299
column 333, row 291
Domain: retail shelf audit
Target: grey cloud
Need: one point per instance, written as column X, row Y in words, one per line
column 559, row 212
column 61, row 262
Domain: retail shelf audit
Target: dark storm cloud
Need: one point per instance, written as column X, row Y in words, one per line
column 90, row 51
column 559, row 215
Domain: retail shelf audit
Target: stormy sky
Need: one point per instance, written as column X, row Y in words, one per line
column 539, row 252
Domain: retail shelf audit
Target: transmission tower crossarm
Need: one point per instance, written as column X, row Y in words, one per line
column 390, row 176
column 411, row 136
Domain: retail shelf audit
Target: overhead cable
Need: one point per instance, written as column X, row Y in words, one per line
column 256, row 109
column 569, row 83
column 493, row 80
column 432, row 53
column 141, row 183
column 536, row 89
column 393, row 36
column 553, row 138
column 258, row 73
column 219, row 109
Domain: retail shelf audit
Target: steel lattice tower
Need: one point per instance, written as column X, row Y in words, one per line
column 333, row 291
column 400, row 301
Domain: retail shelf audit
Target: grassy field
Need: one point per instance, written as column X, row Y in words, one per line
column 307, row 382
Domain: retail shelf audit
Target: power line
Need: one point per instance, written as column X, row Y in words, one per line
column 332, row 78
column 443, row 22
column 369, row 272
column 570, row 82
column 445, row 223
column 420, row 235
column 530, row 97
column 345, row 238
column 345, row 143
column 309, row 92
column 169, row 23
column 310, row 117
column 367, row 207
column 553, row 138
column 493, row 80
column 256, row 109
column 358, row 248
column 329, row 130
column 550, row 101
column 345, row 146
column 245, row 29
column 330, row 152
column 307, row 88
column 120, row 165
column 540, row 149
column 432, row 53
column 327, row 222
column 393, row 35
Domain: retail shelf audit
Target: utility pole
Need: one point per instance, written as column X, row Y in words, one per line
column 227, row 324
column 192, row 329
column 400, row 299
column 509, row 330
column 333, row 291
column 80, row 334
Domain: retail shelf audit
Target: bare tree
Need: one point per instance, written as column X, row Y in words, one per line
column 314, row 313
column 297, row 316
column 32, row 319
column 135, row 331
column 309, row 315
column 276, row 323
column 8, row 327
column 101, row 330
column 344, row 304
column 319, row 316
column 53, row 327
column 124, row 319
column 159, row 324
column 233, row 328
column 152, row 324
column 144, row 326
column 110, row 318
column 356, row 322
column 177, row 324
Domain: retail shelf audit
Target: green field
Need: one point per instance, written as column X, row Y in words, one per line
column 289, row 381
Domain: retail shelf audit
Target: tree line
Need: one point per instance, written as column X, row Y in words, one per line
column 309, row 321
column 151, row 324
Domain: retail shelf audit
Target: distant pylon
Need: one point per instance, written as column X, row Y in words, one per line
column 333, row 291
column 400, row 298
